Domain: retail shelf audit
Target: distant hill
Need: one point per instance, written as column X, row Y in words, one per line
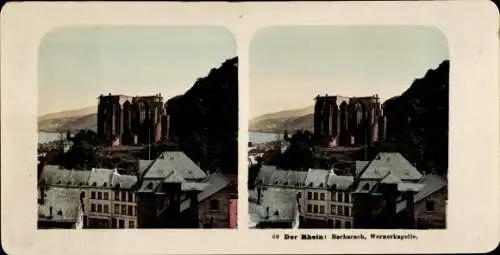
column 84, row 118
column 289, row 120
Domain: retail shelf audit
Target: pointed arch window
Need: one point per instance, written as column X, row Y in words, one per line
column 142, row 112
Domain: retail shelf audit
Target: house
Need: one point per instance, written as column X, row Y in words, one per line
column 60, row 208
column 429, row 204
column 387, row 192
column 174, row 192
column 107, row 198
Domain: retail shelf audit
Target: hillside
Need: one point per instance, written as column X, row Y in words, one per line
column 290, row 120
column 204, row 120
column 84, row 118
column 417, row 120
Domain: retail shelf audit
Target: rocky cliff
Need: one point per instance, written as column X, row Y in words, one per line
column 204, row 120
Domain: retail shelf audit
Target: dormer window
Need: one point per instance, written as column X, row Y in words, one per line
column 310, row 184
column 285, row 183
column 150, row 185
column 59, row 213
column 275, row 182
column 366, row 186
column 94, row 184
column 105, row 184
column 69, row 183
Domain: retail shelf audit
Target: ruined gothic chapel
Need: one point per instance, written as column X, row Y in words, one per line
column 125, row 120
column 348, row 121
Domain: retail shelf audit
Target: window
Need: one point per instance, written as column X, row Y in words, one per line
column 309, row 208
column 99, row 195
column 124, row 196
column 117, row 195
column 106, row 196
column 309, row 195
column 131, row 197
column 131, row 224
column 121, row 224
column 130, row 212
column 92, row 207
column 333, row 209
column 124, row 210
column 340, row 210
column 117, row 209
column 346, row 211
column 214, row 205
column 299, row 195
column 348, row 224
column 315, row 208
column 106, row 208
column 99, row 208
column 322, row 196
column 315, row 195
column 92, row 195
column 334, row 196
column 339, row 197
column 429, row 206
column 338, row 224
column 347, row 197
column 321, row 209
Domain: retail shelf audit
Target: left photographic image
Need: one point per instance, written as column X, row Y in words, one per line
column 137, row 128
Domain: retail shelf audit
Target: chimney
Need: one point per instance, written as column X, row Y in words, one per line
column 193, row 209
column 410, row 209
column 259, row 193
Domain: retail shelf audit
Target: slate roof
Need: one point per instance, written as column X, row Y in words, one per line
column 143, row 165
column 65, row 204
column 149, row 185
column 48, row 174
column 342, row 182
column 366, row 186
column 360, row 166
column 264, row 174
column 174, row 161
column 296, row 178
column 278, row 200
column 391, row 162
column 214, row 183
column 123, row 181
column 100, row 177
column 432, row 182
column 317, row 178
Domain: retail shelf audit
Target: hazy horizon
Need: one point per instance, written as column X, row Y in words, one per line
column 291, row 65
column 77, row 64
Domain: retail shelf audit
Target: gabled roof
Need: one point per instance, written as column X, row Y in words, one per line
column 341, row 182
column 100, row 177
column 296, row 178
column 391, row 162
column 214, row 183
column 264, row 174
column 317, row 178
column 65, row 204
column 431, row 184
column 174, row 161
column 123, row 181
column 48, row 174
column 360, row 166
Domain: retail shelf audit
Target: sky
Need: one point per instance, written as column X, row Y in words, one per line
column 289, row 66
column 77, row 64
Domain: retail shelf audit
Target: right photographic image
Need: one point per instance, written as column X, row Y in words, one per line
column 348, row 127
